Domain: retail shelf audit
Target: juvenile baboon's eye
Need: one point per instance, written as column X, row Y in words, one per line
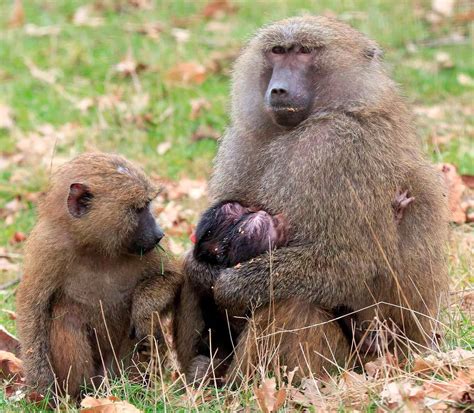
column 278, row 50
column 305, row 50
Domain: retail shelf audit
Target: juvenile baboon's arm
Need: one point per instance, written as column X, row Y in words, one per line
column 153, row 296
column 294, row 272
column 34, row 305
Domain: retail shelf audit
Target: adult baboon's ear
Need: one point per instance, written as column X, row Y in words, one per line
column 79, row 200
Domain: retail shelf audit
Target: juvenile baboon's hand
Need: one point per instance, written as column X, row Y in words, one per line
column 200, row 274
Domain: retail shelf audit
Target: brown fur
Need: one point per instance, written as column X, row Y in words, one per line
column 334, row 177
column 81, row 291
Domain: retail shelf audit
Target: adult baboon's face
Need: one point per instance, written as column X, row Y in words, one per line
column 289, row 90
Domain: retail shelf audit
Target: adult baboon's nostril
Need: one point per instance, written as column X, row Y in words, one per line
column 278, row 91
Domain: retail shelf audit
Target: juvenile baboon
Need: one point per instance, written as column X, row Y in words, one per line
column 229, row 233
column 92, row 273
column 320, row 134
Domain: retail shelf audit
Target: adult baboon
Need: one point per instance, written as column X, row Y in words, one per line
column 320, row 134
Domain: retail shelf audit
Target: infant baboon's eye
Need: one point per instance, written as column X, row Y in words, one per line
column 278, row 50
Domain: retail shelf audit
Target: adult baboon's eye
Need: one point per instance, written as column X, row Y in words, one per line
column 305, row 50
column 278, row 50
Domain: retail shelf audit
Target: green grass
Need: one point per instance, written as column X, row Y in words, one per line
column 84, row 60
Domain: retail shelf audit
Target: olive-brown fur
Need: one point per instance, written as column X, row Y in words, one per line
column 82, row 290
column 334, row 177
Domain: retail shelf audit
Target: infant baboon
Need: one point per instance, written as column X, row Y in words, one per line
column 229, row 233
column 320, row 134
column 92, row 273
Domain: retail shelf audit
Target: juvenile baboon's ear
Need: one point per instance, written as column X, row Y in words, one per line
column 79, row 199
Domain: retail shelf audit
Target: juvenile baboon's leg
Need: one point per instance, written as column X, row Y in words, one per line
column 291, row 334
column 71, row 352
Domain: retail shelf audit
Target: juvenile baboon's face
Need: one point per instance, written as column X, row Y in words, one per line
column 107, row 205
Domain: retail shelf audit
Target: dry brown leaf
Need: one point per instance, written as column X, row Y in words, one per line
column 47, row 76
column 460, row 390
column 197, row 106
column 109, row 404
column 17, row 237
column 467, row 305
column 181, row 35
column 6, row 117
column 129, row 66
column 221, row 61
column 163, row 147
column 308, row 394
column 187, row 73
column 17, row 18
column 205, row 132
column 7, row 266
column 217, row 9
column 141, row 4
column 10, row 366
column 152, row 30
column 8, row 342
column 443, row 7
column 83, row 16
column 269, row 399
column 405, row 394
column 444, row 61
column 465, row 80
column 455, row 190
column 41, row 31
column 85, row 104
column 382, row 366
column 11, row 314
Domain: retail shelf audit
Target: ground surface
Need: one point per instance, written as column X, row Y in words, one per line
column 151, row 80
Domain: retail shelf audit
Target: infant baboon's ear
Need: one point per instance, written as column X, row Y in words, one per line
column 373, row 52
column 79, row 199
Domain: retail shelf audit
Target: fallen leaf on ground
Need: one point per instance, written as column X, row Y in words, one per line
column 7, row 266
column 8, row 342
column 181, row 35
column 459, row 391
column 40, row 31
column 129, row 66
column 109, row 404
column 465, row 80
column 197, row 106
column 205, row 132
column 6, row 117
column 18, row 237
column 455, row 191
column 443, row 7
column 47, row 76
column 268, row 397
column 11, row 314
column 187, row 73
column 444, row 61
column 405, row 394
column 163, row 147
column 217, row 9
column 83, row 16
column 10, row 366
column 17, row 17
